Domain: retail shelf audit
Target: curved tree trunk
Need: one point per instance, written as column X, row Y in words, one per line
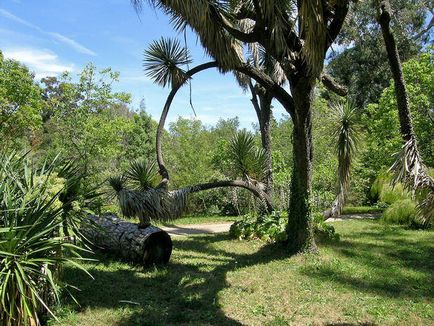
column 145, row 247
column 163, row 171
column 233, row 183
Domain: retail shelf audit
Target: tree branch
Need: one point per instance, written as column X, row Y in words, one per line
column 333, row 86
column 233, row 183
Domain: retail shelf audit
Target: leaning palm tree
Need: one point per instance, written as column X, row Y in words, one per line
column 346, row 138
column 140, row 196
column 295, row 34
column 409, row 167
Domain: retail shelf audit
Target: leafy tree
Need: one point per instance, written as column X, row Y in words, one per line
column 297, row 36
column 362, row 65
column 20, row 105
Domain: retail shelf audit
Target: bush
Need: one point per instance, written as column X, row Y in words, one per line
column 402, row 212
column 32, row 246
column 272, row 228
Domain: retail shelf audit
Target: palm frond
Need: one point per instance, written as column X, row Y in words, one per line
column 162, row 61
column 142, row 174
column 346, row 137
column 248, row 160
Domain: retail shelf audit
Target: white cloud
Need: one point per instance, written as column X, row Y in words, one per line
column 59, row 37
column 43, row 62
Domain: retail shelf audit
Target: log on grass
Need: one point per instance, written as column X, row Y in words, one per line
column 145, row 246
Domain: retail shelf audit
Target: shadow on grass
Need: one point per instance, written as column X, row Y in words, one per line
column 383, row 260
column 185, row 292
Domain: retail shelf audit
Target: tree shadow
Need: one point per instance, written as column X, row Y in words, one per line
column 184, row 292
column 385, row 260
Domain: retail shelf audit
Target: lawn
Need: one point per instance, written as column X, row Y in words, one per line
column 375, row 274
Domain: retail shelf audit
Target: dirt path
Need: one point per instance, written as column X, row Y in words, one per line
column 206, row 228
column 198, row 228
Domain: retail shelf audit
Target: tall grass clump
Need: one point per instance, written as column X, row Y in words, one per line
column 33, row 247
column 402, row 212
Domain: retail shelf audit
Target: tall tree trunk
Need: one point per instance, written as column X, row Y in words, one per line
column 384, row 18
column 265, row 129
column 300, row 227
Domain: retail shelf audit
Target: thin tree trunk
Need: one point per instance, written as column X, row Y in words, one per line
column 162, row 168
column 300, row 226
column 265, row 128
column 263, row 112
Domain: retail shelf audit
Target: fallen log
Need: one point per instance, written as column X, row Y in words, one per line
column 144, row 246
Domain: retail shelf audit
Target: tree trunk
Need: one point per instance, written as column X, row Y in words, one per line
column 300, row 227
column 141, row 246
column 263, row 112
column 396, row 68
column 265, row 128
column 266, row 200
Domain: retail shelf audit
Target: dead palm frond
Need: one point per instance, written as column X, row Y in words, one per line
column 410, row 170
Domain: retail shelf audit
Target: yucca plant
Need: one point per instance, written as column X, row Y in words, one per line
column 249, row 160
column 32, row 247
column 346, row 138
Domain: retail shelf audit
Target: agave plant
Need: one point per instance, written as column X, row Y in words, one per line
column 32, row 248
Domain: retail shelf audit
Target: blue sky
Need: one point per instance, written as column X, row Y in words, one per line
column 51, row 36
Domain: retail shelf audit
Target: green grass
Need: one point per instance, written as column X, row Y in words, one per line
column 376, row 274
column 361, row 210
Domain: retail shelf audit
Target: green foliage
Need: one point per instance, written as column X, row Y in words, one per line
column 162, row 60
column 272, row 228
column 383, row 191
column 402, row 211
column 20, row 105
column 32, row 246
column 381, row 120
column 248, row 160
column 363, row 65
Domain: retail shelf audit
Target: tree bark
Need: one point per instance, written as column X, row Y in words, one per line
column 402, row 100
column 300, row 224
column 140, row 246
column 263, row 112
column 233, row 183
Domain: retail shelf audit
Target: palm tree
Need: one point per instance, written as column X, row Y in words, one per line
column 409, row 167
column 296, row 35
column 346, row 138
column 140, row 196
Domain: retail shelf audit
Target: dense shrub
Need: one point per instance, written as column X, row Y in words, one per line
column 272, row 228
column 33, row 244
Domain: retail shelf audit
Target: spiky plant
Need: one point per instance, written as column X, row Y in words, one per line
column 32, row 248
column 248, row 159
column 142, row 174
column 162, row 61
column 346, row 138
